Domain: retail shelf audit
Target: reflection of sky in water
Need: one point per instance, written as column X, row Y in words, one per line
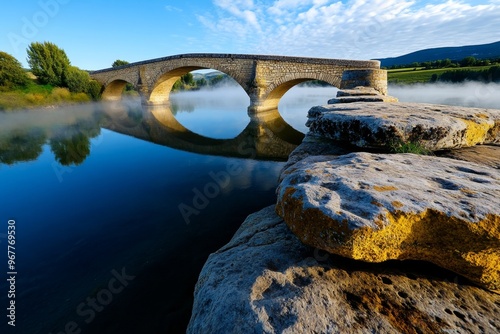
column 225, row 110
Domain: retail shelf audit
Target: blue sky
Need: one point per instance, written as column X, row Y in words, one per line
column 95, row 33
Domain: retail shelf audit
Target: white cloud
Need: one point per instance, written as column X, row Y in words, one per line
column 173, row 9
column 356, row 29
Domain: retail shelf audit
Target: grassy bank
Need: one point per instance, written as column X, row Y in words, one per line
column 35, row 95
column 421, row 75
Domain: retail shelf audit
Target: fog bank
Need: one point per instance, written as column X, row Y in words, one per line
column 469, row 94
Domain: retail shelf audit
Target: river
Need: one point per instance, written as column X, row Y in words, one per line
column 117, row 206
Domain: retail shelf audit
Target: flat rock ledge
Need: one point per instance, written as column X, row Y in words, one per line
column 378, row 207
column 361, row 94
column 377, row 125
column 266, row 281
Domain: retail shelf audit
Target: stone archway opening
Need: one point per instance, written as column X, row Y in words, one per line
column 116, row 89
column 294, row 104
column 205, row 101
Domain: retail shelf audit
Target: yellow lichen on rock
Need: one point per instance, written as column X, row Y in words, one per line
column 384, row 188
column 476, row 133
column 470, row 250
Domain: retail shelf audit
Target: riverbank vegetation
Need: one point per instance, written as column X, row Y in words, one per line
column 468, row 69
column 50, row 80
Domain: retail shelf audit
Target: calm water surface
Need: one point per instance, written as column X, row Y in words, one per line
column 117, row 206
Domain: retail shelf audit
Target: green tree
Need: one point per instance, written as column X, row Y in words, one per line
column 76, row 80
column 11, row 72
column 187, row 79
column 48, row 62
column 202, row 82
column 119, row 62
column 468, row 61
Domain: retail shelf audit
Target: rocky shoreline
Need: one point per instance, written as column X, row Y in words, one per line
column 328, row 258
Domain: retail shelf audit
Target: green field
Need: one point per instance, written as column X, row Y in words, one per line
column 421, row 75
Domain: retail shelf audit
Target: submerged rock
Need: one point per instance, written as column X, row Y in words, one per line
column 435, row 127
column 378, row 207
column 266, row 281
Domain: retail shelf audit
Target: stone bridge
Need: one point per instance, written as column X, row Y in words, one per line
column 265, row 78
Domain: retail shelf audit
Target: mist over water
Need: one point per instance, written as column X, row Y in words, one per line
column 295, row 104
column 233, row 101
column 469, row 94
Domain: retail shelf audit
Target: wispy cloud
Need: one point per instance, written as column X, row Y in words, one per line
column 169, row 8
column 355, row 29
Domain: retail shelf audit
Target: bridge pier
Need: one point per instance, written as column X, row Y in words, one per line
column 374, row 78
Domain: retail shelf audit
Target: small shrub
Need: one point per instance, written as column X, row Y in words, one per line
column 80, row 97
column 398, row 146
column 35, row 98
column 60, row 94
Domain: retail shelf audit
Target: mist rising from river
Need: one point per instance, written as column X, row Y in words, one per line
column 469, row 94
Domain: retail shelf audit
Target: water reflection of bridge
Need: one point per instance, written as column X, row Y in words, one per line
column 267, row 135
column 68, row 133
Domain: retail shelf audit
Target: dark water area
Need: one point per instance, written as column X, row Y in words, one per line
column 117, row 206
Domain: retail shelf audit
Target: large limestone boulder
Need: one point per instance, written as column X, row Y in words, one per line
column 378, row 207
column 266, row 281
column 377, row 125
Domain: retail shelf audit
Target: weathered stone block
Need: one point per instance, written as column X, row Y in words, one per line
column 383, row 207
column 435, row 127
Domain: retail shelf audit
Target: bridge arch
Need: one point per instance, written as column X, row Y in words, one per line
column 113, row 90
column 277, row 90
column 167, row 76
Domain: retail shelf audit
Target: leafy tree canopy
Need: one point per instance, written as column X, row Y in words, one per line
column 48, row 62
column 119, row 62
column 76, row 80
column 11, row 72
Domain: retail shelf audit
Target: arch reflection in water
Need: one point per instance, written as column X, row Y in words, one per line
column 267, row 136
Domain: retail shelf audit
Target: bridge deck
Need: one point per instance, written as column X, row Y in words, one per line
column 368, row 64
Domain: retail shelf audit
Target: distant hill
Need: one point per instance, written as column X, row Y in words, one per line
column 482, row 51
